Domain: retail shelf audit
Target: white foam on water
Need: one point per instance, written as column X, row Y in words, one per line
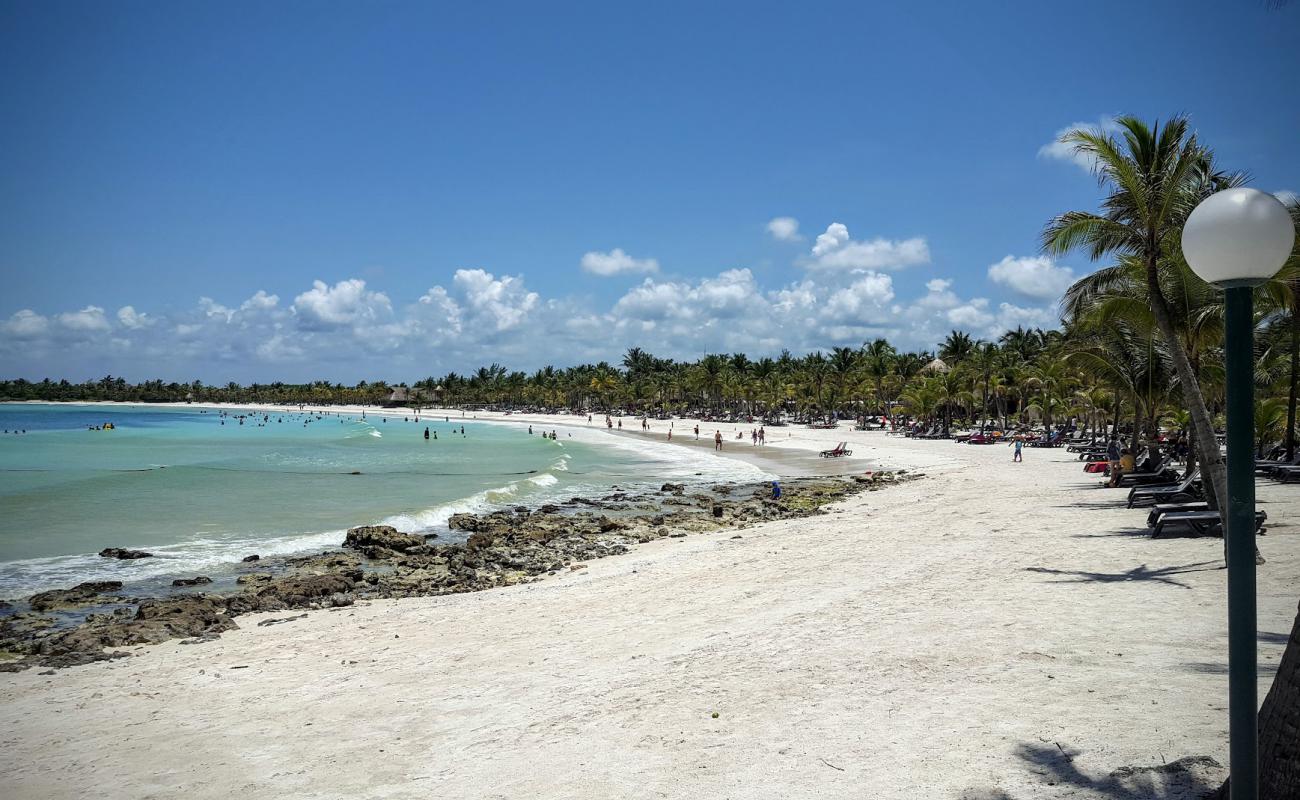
column 19, row 579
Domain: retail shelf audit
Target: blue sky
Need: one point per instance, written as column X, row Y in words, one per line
column 551, row 183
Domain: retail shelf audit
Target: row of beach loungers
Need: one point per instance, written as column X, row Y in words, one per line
column 1175, row 501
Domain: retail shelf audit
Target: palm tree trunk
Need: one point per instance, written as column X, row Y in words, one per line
column 1212, row 467
column 1279, row 729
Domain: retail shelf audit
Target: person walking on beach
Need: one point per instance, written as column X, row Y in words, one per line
column 1112, row 455
column 697, row 431
column 762, row 435
column 1018, row 457
column 717, row 440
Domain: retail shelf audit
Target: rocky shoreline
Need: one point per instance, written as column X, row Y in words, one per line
column 502, row 548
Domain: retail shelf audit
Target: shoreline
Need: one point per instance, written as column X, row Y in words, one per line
column 92, row 621
column 780, row 463
column 996, row 630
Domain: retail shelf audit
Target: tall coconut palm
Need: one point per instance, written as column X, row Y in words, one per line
column 1155, row 176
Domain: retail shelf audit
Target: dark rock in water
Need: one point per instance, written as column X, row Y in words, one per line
column 675, row 488
column 252, row 558
column 79, row 595
column 122, row 553
column 195, row 581
column 549, row 508
column 380, row 541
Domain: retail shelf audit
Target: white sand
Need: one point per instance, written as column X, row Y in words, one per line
column 906, row 645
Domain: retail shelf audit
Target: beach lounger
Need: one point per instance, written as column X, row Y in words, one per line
column 1140, row 496
column 1165, row 508
column 1204, row 523
column 1161, row 474
column 840, row 450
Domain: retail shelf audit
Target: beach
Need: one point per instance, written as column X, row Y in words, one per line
column 990, row 630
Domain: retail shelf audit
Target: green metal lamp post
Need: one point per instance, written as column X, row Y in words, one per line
column 1237, row 239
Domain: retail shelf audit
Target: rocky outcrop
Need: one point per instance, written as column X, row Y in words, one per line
column 199, row 580
column 295, row 591
column 80, row 595
column 156, row 620
column 380, row 541
column 123, row 553
column 501, row 548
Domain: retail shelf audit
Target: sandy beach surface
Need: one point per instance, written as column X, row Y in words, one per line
column 994, row 630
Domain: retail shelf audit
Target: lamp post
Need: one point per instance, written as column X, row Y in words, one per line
column 1237, row 239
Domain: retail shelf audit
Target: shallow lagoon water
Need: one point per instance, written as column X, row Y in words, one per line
column 200, row 494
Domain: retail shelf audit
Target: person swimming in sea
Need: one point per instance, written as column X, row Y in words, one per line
column 426, row 433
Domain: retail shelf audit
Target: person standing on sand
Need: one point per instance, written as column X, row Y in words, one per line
column 1018, row 457
column 697, row 431
column 1113, row 453
column 762, row 435
column 717, row 440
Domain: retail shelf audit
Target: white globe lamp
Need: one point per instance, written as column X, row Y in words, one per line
column 1238, row 237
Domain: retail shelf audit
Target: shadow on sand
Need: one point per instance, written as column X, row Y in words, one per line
column 1139, row 573
column 1184, row 779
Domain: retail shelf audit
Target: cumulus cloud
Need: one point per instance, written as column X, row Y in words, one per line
column 836, row 250
column 261, row 301
column 1060, row 151
column 864, row 300
column 784, row 229
column 90, row 319
column 1034, row 276
column 503, row 301
column 617, row 262
column 128, row 317
column 25, row 324
column 350, row 330
column 345, row 303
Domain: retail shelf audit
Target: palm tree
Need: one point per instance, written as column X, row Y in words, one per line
column 957, row 347
column 1156, row 177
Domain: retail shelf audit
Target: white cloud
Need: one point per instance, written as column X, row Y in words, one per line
column 260, row 302
column 1034, row 276
column 784, row 229
column 129, row 318
column 835, row 250
column 349, row 330
column 617, row 262
column 970, row 316
column 90, row 319
column 346, row 303
column 1060, row 151
column 25, row 324
column 865, row 300
column 504, row 300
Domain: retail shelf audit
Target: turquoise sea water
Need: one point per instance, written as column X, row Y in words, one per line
column 200, row 490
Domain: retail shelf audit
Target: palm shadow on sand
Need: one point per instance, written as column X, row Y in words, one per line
column 1184, row 779
column 1139, row 573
